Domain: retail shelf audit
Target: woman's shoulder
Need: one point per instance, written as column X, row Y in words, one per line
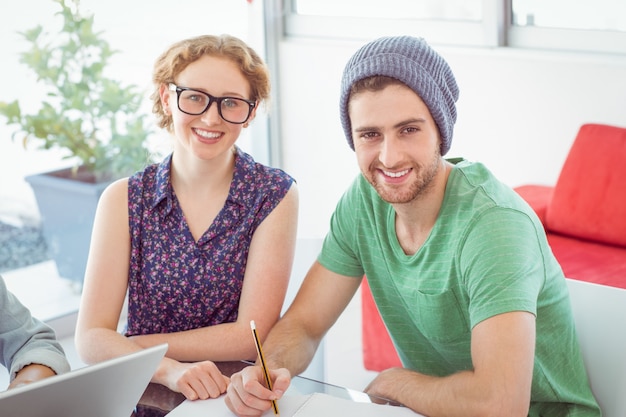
column 256, row 172
column 116, row 188
column 151, row 172
column 152, row 179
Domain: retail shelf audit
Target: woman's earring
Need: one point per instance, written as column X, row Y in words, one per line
column 246, row 124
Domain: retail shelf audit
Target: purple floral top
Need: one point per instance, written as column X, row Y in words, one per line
column 176, row 283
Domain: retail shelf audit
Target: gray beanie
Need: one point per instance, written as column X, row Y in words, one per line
column 413, row 62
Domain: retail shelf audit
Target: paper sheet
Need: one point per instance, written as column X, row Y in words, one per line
column 287, row 406
column 312, row 405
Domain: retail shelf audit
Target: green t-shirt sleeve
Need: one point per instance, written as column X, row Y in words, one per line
column 501, row 273
column 340, row 250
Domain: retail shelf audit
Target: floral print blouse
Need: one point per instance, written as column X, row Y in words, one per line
column 176, row 283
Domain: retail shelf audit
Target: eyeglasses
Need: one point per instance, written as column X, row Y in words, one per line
column 195, row 102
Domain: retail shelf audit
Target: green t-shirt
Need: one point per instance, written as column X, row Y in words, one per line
column 487, row 254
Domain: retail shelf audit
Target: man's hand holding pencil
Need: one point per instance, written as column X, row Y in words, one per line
column 256, row 389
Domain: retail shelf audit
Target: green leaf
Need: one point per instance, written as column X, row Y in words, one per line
column 95, row 118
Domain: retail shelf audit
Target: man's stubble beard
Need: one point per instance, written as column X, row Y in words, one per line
column 423, row 182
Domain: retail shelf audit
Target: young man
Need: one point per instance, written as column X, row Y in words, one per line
column 458, row 264
column 28, row 347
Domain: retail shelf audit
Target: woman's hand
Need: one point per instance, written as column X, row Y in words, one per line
column 195, row 380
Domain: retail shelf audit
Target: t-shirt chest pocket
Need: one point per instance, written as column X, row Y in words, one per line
column 439, row 316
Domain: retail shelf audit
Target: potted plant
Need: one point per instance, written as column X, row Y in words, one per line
column 96, row 120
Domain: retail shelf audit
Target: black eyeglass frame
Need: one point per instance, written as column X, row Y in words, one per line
column 212, row 99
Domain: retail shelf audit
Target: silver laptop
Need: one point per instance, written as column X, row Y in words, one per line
column 107, row 389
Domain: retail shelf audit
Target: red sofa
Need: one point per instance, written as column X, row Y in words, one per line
column 378, row 350
column 584, row 215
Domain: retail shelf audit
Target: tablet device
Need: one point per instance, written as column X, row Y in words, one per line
column 110, row 388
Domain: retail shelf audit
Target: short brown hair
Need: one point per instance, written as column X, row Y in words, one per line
column 373, row 84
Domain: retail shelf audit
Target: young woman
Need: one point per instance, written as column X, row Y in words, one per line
column 202, row 242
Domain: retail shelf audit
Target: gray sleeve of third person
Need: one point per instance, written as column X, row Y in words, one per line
column 26, row 340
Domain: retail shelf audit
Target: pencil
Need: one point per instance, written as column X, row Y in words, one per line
column 259, row 350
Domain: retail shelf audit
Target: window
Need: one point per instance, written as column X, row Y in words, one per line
column 564, row 14
column 597, row 26
column 450, row 22
column 431, row 9
column 539, row 24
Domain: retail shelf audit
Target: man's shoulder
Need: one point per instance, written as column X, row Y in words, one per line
column 468, row 175
column 471, row 169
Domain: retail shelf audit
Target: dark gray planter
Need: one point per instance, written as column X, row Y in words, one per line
column 67, row 206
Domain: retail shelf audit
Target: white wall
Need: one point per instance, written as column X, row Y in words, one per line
column 518, row 112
